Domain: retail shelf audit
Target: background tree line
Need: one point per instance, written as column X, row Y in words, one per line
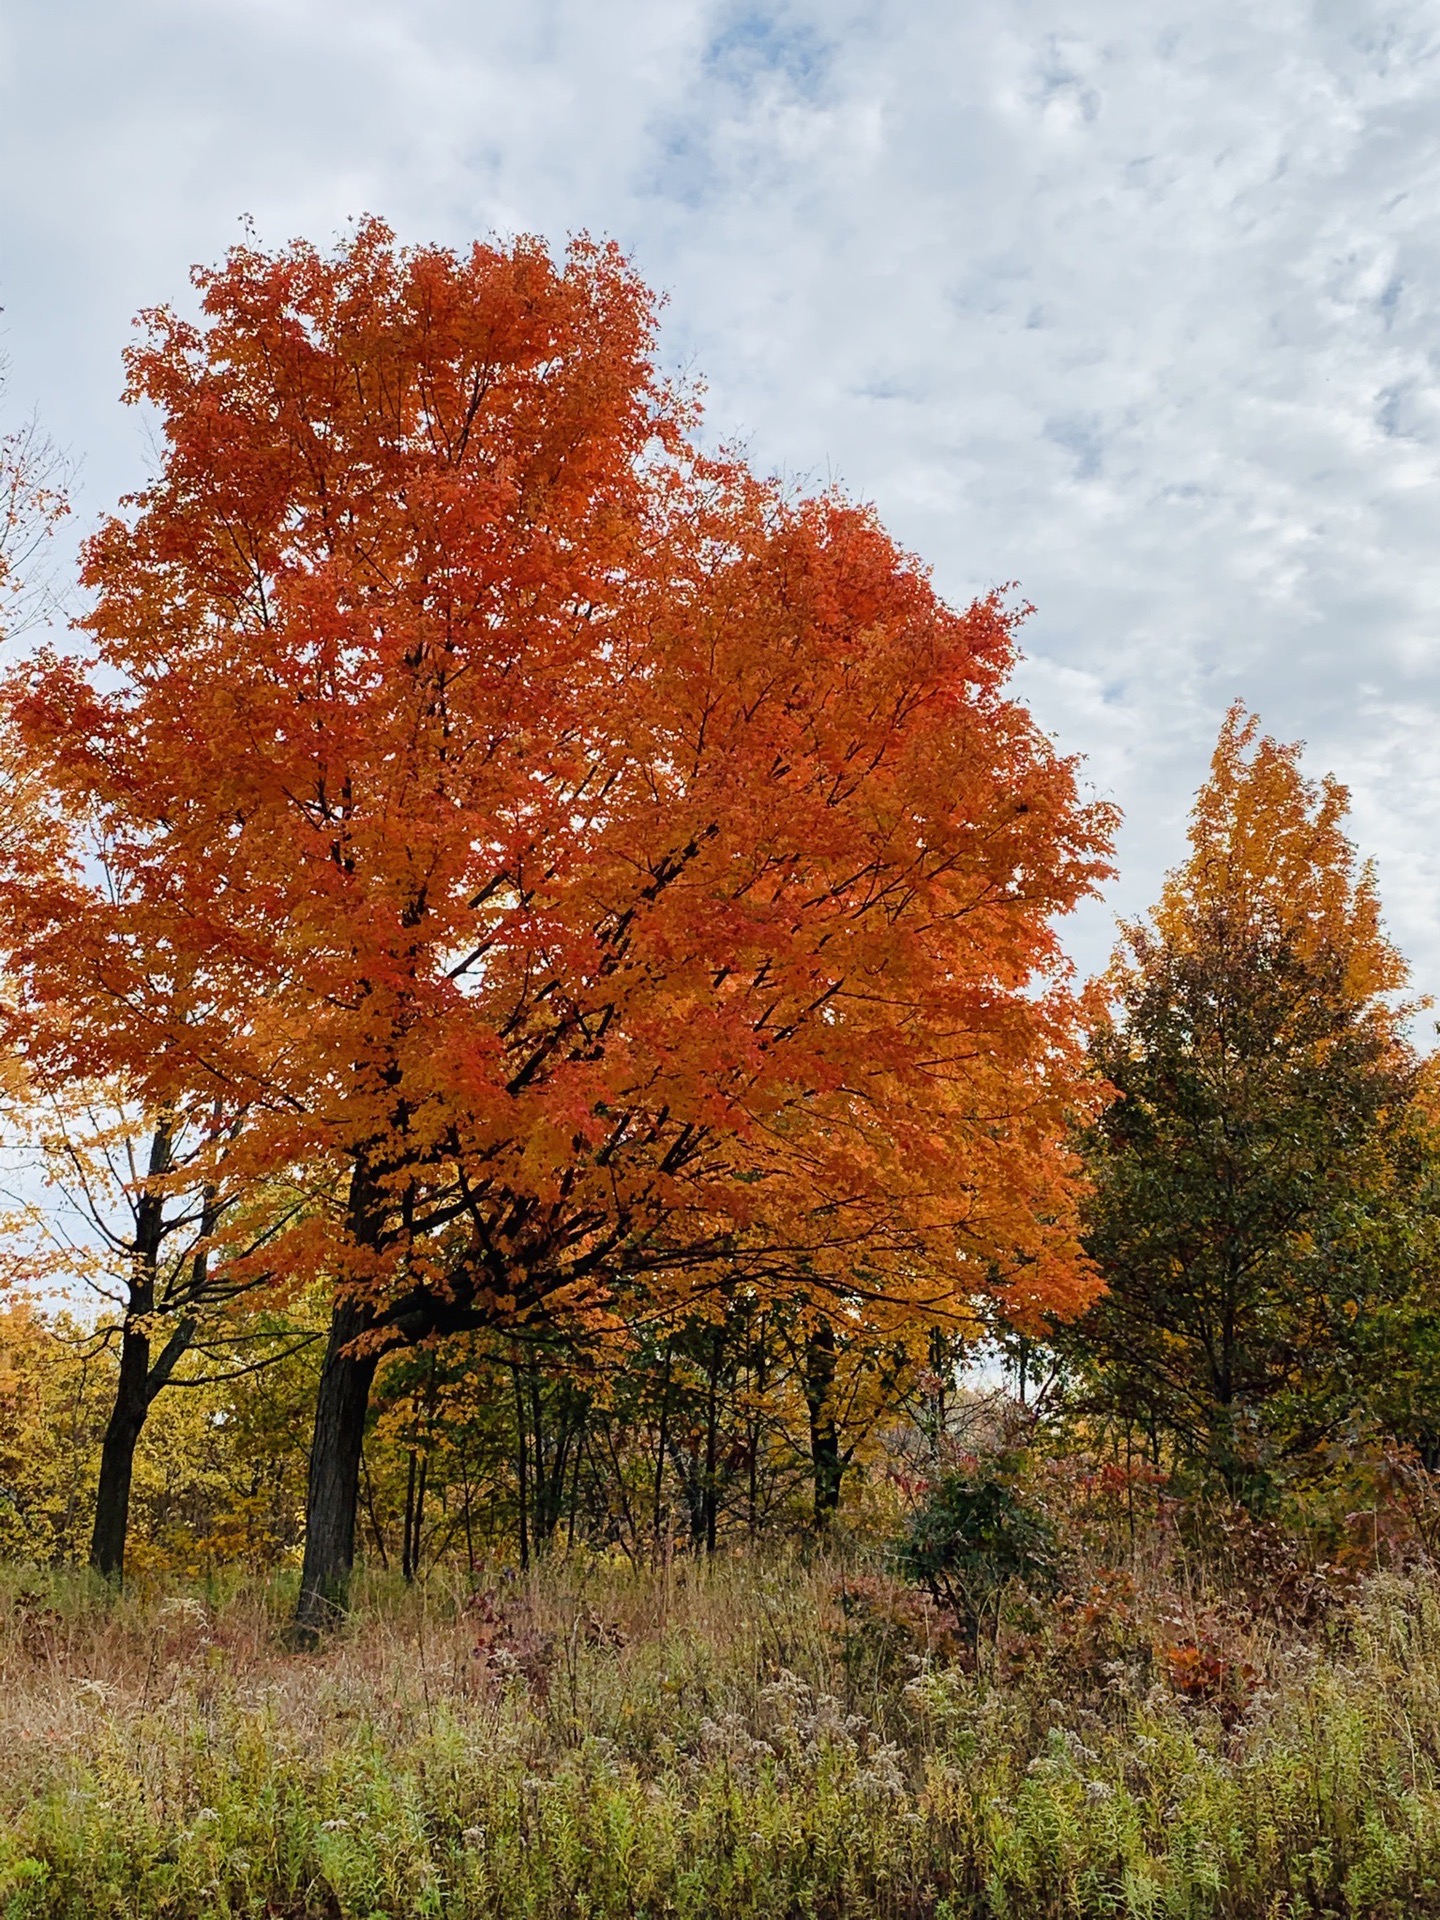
column 1263, row 1209
column 533, row 987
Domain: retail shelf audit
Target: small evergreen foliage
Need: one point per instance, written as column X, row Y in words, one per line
column 974, row 1537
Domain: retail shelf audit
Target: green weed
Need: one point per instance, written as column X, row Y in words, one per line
column 594, row 1743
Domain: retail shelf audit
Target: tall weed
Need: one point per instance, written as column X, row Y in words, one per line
column 739, row 1740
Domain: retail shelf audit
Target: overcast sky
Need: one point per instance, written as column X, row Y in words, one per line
column 1128, row 301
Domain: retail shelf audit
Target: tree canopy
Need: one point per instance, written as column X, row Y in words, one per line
column 1271, row 1122
column 570, row 857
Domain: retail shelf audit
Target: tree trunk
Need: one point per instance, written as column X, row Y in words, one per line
column 827, row 1464
column 712, row 1434
column 664, row 1435
column 757, row 1383
column 135, row 1393
column 408, row 1554
column 117, row 1456
column 377, row 1531
column 522, row 1468
column 139, row 1382
column 418, row 1529
column 333, row 1493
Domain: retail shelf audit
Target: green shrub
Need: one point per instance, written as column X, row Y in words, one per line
column 972, row 1539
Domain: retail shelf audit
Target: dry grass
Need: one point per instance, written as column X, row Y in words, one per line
column 752, row 1738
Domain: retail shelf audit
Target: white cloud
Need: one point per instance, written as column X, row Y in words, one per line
column 1131, row 302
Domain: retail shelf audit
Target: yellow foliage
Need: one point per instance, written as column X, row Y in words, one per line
column 52, row 1412
column 219, row 1470
column 1268, row 850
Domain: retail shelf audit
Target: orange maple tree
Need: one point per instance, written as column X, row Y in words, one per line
column 578, row 860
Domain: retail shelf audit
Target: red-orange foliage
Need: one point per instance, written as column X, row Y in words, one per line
column 574, row 854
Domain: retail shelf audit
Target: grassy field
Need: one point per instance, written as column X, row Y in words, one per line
column 745, row 1739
